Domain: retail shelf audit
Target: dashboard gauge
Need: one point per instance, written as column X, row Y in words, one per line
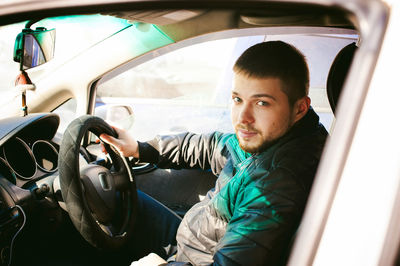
column 20, row 158
column 46, row 156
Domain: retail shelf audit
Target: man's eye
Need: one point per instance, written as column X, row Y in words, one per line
column 262, row 103
column 236, row 99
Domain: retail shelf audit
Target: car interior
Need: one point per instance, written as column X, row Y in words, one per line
column 338, row 72
column 37, row 221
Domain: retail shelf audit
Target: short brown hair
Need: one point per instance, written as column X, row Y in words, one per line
column 277, row 59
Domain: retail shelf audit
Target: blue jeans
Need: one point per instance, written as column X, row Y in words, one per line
column 155, row 228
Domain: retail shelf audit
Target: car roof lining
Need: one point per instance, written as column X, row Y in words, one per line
column 218, row 20
column 244, row 13
column 276, row 15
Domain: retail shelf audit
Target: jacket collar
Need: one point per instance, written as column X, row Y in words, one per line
column 304, row 126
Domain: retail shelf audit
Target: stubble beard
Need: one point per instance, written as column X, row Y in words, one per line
column 252, row 146
column 255, row 147
column 261, row 144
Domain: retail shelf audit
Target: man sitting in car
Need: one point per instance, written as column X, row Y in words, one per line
column 265, row 170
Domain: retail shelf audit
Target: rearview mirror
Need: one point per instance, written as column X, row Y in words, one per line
column 34, row 47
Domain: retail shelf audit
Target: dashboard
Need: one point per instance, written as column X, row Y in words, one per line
column 31, row 204
column 27, row 152
column 28, row 167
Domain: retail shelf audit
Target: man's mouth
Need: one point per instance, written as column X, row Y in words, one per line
column 246, row 134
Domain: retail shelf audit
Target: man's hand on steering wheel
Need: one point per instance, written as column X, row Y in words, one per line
column 126, row 145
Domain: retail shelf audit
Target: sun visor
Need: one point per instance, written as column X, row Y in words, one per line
column 158, row 17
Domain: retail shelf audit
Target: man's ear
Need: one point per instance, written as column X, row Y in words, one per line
column 301, row 107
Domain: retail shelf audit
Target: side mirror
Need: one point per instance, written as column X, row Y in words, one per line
column 34, row 47
column 120, row 115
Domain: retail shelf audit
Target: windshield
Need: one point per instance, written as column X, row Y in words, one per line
column 74, row 34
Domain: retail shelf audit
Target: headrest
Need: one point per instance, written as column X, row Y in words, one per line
column 338, row 72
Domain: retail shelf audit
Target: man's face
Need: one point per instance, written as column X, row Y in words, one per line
column 260, row 112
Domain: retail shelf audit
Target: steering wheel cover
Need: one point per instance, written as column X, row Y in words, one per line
column 72, row 188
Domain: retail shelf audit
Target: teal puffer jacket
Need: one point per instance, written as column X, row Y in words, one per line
column 258, row 200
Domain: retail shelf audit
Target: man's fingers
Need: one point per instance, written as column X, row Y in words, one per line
column 124, row 143
column 111, row 141
column 103, row 148
column 108, row 139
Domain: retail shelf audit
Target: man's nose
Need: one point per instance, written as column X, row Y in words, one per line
column 246, row 115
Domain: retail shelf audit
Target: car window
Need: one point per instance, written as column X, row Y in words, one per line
column 320, row 51
column 189, row 89
column 185, row 90
column 67, row 113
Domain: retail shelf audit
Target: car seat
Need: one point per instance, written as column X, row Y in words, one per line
column 338, row 73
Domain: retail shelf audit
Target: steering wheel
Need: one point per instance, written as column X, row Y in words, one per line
column 101, row 202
